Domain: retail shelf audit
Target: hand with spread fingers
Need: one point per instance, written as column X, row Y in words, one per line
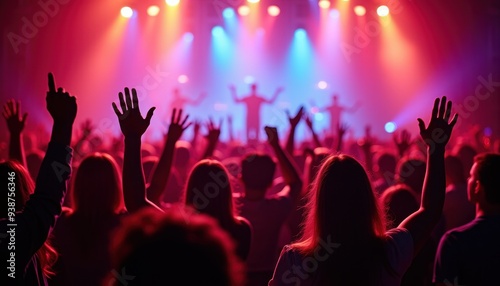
column 12, row 114
column 130, row 118
column 438, row 132
column 177, row 125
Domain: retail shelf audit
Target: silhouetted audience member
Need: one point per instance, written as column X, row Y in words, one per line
column 457, row 209
column 399, row 202
column 470, row 254
column 385, row 168
column 178, row 247
column 267, row 214
column 209, row 192
column 345, row 240
column 82, row 232
column 28, row 221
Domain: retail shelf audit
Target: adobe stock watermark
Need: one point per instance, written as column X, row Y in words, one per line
column 152, row 80
column 371, row 29
column 120, row 278
column 484, row 89
column 310, row 264
column 211, row 190
column 31, row 26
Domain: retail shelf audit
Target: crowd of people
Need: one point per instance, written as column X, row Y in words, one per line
column 87, row 210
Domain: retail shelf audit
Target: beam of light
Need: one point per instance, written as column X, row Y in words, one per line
column 228, row 13
column 127, row 12
column 273, row 10
column 324, row 4
column 383, row 11
column 153, row 10
column 217, row 31
column 188, row 37
column 334, row 14
column 253, row 1
column 359, row 10
column 300, row 59
column 172, row 2
column 397, row 53
column 390, row 127
column 222, row 48
column 300, row 34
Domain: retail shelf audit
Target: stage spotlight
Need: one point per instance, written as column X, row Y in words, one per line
column 324, row 4
column 359, row 10
column 300, row 33
column 127, row 12
column 383, row 11
column 228, row 13
column 188, row 37
column 390, row 127
column 217, row 31
column 273, row 10
column 322, row 84
column 253, row 1
column 334, row 13
column 183, row 78
column 172, row 2
column 243, row 10
column 153, row 10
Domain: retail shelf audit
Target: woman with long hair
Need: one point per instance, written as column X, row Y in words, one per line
column 344, row 241
column 209, row 191
column 82, row 232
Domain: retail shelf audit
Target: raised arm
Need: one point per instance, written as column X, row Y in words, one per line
column 133, row 126
column 341, row 131
column 275, row 95
column 436, row 135
column 15, row 124
column 232, row 88
column 31, row 226
column 230, row 128
column 290, row 174
column 366, row 145
column 294, row 121
column 403, row 142
column 212, row 138
column 309, row 123
column 161, row 173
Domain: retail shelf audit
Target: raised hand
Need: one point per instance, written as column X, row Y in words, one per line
column 438, row 132
column 294, row 121
column 403, row 142
column 213, row 131
column 177, row 125
column 131, row 121
column 309, row 121
column 60, row 104
column 12, row 115
column 342, row 129
column 272, row 135
column 87, row 127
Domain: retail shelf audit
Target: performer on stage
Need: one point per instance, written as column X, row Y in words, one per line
column 253, row 102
